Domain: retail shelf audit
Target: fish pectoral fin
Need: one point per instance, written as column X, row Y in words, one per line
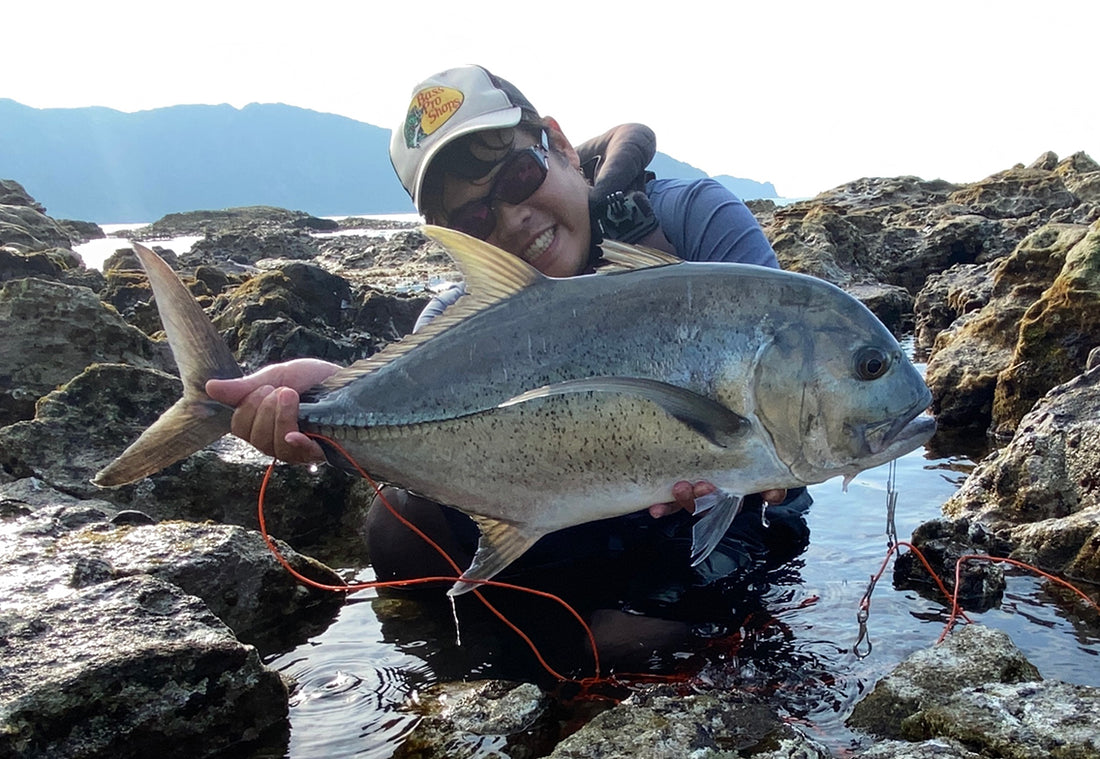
column 720, row 509
column 717, row 423
column 190, row 425
column 501, row 543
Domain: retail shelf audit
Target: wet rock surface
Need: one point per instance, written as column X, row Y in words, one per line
column 132, row 667
column 997, row 278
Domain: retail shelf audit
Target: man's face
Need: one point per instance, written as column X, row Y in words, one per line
column 550, row 229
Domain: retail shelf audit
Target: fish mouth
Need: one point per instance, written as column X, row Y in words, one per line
column 891, row 438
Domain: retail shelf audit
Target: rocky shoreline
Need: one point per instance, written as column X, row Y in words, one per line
column 134, row 620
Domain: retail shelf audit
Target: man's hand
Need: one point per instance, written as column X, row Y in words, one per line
column 266, row 405
column 684, row 494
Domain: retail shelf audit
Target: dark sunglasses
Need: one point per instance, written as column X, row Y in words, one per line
column 519, row 176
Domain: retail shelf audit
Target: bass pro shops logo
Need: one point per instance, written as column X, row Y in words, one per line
column 430, row 109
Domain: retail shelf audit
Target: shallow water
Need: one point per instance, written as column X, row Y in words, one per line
column 798, row 651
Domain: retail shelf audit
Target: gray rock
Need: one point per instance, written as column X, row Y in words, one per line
column 59, row 548
column 1017, row 720
column 659, row 723
column 28, row 229
column 972, row 656
column 1039, row 492
column 480, row 719
column 52, row 332
column 132, row 667
column 937, row 748
column 86, row 423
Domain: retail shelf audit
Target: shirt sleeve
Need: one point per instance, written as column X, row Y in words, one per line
column 704, row 221
column 438, row 305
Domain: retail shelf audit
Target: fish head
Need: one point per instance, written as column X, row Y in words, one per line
column 837, row 394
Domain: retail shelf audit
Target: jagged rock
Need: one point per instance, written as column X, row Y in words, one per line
column 13, row 194
column 52, row 332
column 30, row 230
column 967, row 358
column 1016, row 720
column 248, row 247
column 972, row 656
column 1041, row 492
column 942, row 543
column 60, row 548
column 131, row 667
column 462, row 720
column 195, row 223
column 53, row 264
column 1055, row 337
column 1016, row 193
column 87, row 423
column 80, row 231
column 659, row 722
column 949, row 295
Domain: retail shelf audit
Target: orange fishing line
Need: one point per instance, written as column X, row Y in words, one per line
column 983, row 557
column 346, row 588
column 953, row 596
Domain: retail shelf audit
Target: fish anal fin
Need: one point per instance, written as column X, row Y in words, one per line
column 188, row 426
column 501, row 543
column 708, row 530
column 717, row 423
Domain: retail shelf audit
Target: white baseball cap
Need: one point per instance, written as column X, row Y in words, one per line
column 446, row 106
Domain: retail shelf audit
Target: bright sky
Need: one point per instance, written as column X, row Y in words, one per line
column 807, row 95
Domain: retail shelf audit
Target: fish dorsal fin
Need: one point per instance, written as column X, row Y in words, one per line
column 491, row 274
column 631, row 257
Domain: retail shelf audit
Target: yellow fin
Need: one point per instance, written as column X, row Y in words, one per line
column 630, row 257
column 491, row 275
column 501, row 543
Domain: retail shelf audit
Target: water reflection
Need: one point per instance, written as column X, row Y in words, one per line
column 792, row 644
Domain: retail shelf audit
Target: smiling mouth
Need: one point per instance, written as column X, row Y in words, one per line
column 538, row 246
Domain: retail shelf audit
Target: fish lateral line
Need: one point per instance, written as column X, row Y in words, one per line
column 714, row 421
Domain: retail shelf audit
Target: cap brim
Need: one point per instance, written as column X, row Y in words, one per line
column 496, row 120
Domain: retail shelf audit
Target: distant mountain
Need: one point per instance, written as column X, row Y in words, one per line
column 104, row 165
column 746, row 189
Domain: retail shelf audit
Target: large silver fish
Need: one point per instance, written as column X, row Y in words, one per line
column 535, row 404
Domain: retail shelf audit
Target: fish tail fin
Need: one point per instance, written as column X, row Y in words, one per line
column 189, row 425
column 195, row 420
column 500, row 544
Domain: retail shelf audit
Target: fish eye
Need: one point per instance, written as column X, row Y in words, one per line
column 871, row 363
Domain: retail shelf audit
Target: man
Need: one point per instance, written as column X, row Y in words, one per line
column 476, row 156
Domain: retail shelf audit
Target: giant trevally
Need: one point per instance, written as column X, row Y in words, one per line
column 534, row 404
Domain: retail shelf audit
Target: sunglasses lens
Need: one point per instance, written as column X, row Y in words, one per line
column 520, row 177
column 475, row 219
